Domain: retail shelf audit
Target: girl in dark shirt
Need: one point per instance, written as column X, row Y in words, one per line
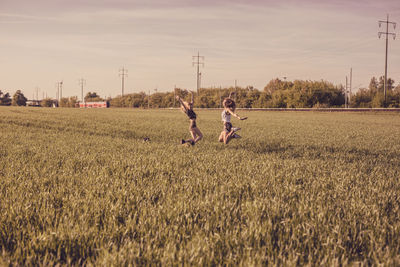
column 187, row 108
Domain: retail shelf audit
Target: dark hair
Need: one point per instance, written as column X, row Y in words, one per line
column 229, row 103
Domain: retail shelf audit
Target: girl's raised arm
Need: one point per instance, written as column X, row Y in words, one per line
column 182, row 103
column 192, row 98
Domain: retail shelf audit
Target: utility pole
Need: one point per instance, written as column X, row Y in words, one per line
column 123, row 72
column 82, row 82
column 387, row 33
column 351, row 78
column 148, row 101
column 37, row 93
column 345, row 94
column 235, row 97
column 174, row 94
column 220, row 96
column 61, row 84
column 58, row 89
column 199, row 83
column 198, row 63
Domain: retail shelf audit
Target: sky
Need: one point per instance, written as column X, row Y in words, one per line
column 251, row 42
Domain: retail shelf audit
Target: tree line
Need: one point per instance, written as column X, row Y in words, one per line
column 17, row 100
column 373, row 96
column 276, row 94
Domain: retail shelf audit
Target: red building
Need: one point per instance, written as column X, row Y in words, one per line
column 100, row 104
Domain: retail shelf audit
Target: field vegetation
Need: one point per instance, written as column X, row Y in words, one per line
column 81, row 187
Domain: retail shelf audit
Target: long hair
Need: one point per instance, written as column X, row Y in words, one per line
column 229, row 103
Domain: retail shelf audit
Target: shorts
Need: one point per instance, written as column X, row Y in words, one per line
column 227, row 127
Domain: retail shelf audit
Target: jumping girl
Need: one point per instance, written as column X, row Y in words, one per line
column 187, row 108
column 229, row 132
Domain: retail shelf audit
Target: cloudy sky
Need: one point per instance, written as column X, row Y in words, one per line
column 253, row 41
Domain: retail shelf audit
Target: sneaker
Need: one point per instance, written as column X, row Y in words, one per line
column 183, row 141
column 235, row 129
column 192, row 142
column 236, row 136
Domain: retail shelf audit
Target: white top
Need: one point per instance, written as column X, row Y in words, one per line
column 226, row 117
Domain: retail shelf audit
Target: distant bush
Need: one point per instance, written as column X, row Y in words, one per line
column 5, row 99
column 69, row 102
column 47, row 102
column 19, row 99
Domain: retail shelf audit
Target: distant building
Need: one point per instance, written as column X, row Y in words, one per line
column 33, row 103
column 99, row 104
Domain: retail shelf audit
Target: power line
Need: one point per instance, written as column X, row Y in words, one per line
column 198, row 63
column 387, row 33
column 123, row 72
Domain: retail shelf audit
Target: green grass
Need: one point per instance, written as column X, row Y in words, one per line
column 81, row 187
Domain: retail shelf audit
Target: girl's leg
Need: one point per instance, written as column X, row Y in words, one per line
column 228, row 137
column 191, row 141
column 221, row 136
column 197, row 135
column 192, row 134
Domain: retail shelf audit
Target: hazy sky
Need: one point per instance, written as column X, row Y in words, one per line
column 253, row 41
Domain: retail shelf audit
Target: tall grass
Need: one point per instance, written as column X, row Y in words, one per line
column 81, row 187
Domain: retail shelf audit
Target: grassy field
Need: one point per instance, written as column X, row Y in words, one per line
column 300, row 188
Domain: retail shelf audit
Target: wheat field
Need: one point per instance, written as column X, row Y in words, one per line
column 81, row 187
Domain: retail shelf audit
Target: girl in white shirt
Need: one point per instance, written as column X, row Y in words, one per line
column 229, row 132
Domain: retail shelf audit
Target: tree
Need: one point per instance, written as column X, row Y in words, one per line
column 73, row 101
column 19, row 99
column 362, row 99
column 373, row 85
column 394, row 98
column 63, row 102
column 278, row 99
column 5, row 99
column 68, row 102
column 381, row 85
column 47, row 102
column 93, row 97
column 378, row 101
column 263, row 100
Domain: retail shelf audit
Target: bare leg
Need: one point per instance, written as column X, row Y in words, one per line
column 228, row 137
column 197, row 135
column 193, row 133
column 221, row 136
